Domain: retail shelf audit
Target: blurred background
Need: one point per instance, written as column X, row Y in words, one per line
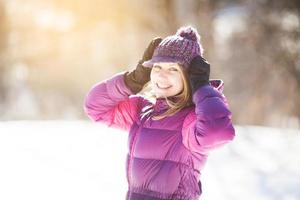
column 53, row 51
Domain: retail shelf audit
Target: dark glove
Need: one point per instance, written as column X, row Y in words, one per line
column 198, row 73
column 137, row 78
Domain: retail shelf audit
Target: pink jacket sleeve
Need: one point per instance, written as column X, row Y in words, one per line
column 209, row 126
column 108, row 102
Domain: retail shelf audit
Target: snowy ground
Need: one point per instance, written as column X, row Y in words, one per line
column 80, row 160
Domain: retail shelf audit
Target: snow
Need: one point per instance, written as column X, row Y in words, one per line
column 85, row 160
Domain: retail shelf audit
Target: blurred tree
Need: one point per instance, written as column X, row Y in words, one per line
column 170, row 14
column 278, row 37
column 264, row 59
column 3, row 47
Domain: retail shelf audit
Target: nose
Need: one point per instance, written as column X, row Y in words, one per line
column 162, row 74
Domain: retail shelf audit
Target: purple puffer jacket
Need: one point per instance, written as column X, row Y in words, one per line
column 165, row 157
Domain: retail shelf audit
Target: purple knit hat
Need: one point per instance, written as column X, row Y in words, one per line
column 180, row 48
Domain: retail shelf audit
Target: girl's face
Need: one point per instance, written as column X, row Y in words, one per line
column 166, row 79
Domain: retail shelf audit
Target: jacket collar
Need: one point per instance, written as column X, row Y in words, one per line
column 160, row 105
column 218, row 84
column 213, row 89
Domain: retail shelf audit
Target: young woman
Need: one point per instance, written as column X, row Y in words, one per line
column 169, row 139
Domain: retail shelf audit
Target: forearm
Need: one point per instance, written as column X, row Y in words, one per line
column 108, row 101
column 213, row 120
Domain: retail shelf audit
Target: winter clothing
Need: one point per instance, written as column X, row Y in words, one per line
column 138, row 77
column 181, row 48
column 198, row 73
column 166, row 156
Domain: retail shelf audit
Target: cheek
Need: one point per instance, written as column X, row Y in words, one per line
column 152, row 75
column 180, row 86
column 153, row 78
column 177, row 80
column 179, row 83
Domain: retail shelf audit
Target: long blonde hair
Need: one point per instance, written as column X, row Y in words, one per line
column 179, row 101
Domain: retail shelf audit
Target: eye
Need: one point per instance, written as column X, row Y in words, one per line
column 173, row 69
column 157, row 67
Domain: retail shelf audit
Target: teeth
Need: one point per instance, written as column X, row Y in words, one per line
column 162, row 87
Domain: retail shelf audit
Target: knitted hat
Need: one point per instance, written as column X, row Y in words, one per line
column 180, row 48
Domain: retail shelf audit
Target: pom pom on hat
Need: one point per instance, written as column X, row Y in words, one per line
column 189, row 33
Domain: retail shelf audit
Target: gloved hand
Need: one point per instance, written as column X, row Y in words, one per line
column 198, row 73
column 137, row 78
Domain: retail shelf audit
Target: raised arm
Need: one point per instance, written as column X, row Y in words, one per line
column 109, row 102
column 209, row 127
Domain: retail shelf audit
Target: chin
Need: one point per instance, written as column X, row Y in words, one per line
column 166, row 94
column 162, row 96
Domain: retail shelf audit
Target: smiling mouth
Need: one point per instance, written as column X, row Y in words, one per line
column 163, row 87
